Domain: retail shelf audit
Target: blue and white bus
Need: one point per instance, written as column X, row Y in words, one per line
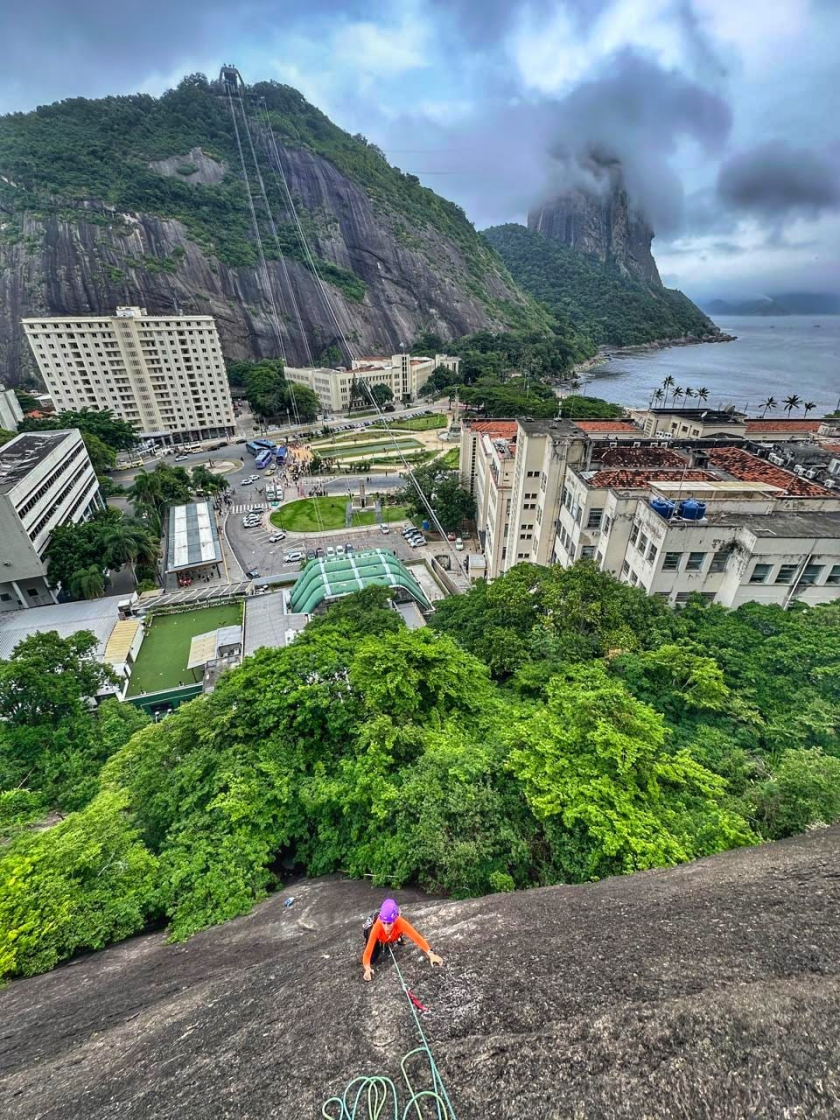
column 258, row 445
column 264, row 459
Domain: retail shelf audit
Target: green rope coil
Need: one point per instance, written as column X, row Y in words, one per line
column 367, row 1098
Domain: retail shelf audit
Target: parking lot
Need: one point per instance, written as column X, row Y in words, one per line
column 254, row 551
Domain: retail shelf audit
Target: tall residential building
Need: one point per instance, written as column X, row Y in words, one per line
column 46, row 480
column 164, row 374
column 10, row 410
column 404, row 374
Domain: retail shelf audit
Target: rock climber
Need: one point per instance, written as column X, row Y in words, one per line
column 388, row 928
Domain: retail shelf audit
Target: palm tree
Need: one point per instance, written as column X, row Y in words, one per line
column 689, row 393
column 678, row 392
column 128, row 541
column 87, row 583
column 770, row 403
column 808, row 406
column 667, row 384
column 792, row 402
column 703, row 394
column 658, row 395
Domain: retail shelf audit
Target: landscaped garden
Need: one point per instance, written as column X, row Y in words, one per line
column 311, row 515
column 163, row 657
column 416, row 423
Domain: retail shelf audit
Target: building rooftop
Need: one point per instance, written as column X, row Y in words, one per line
column 549, row 427
column 638, row 457
column 268, row 624
column 710, row 415
column 121, row 640
column 755, row 427
column 331, row 579
column 785, row 523
column 608, row 426
column 100, row 616
column 193, row 538
column 640, row 479
column 21, row 454
column 749, row 468
column 504, row 428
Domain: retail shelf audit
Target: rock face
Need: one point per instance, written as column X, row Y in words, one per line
column 709, row 990
column 414, row 279
column 601, row 222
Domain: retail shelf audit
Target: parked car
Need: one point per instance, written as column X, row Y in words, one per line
column 450, row 536
column 459, row 545
column 252, row 573
column 310, row 554
column 319, row 552
column 330, row 552
column 254, row 477
column 180, row 458
column 275, row 538
column 417, row 541
column 257, row 509
column 339, row 550
column 247, row 482
column 349, row 549
column 292, row 557
column 384, row 529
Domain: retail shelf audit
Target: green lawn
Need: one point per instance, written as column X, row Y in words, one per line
column 338, row 450
column 162, row 661
column 304, row 517
column 417, row 423
column 451, row 460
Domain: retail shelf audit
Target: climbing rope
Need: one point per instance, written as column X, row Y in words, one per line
column 367, row 1097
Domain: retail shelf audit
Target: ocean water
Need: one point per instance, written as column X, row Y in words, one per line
column 771, row 357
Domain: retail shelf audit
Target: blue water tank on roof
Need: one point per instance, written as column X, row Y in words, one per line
column 663, row 507
column 692, row 510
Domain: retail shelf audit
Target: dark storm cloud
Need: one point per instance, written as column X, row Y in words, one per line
column 637, row 112
column 775, row 179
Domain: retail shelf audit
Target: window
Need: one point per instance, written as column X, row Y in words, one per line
column 587, row 552
column 760, row 573
column 682, row 596
column 634, row 532
column 786, row 573
column 834, row 575
column 4, row 598
column 695, row 561
column 606, row 524
column 652, row 553
column 661, row 594
column 643, row 543
column 811, row 574
column 720, row 559
column 594, row 521
column 32, row 592
column 634, row 579
column 625, row 568
column 671, row 563
column 532, row 474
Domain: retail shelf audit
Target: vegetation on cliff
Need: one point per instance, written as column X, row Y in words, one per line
column 555, row 726
column 603, row 302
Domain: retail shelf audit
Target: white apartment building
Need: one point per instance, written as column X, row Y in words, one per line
column 164, row 374
column 755, row 541
column 11, row 413
column 46, row 480
column 404, row 374
column 692, row 423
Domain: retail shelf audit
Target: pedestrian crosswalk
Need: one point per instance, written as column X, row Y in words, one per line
column 244, row 507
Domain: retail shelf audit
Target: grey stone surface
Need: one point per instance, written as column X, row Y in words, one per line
column 707, row 991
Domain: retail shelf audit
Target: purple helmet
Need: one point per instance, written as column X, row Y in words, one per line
column 389, row 911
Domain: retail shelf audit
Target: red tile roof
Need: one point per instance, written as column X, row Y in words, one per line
column 499, row 429
column 638, row 479
column 607, row 426
column 832, row 448
column 749, row 468
column 786, row 425
column 638, row 457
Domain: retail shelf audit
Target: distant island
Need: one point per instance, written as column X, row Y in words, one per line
column 793, row 303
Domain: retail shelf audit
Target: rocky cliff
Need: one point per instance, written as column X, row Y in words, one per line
column 709, row 990
column 141, row 200
column 600, row 220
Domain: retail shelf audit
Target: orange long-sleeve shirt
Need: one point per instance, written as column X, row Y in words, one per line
column 400, row 926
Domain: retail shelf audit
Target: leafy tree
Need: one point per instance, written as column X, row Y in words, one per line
column 79, row 885
column 27, row 402
column 49, row 679
column 582, row 408
column 803, row 792
column 594, row 761
column 108, row 429
column 6, row 435
column 381, row 394
column 86, row 583
column 102, row 455
column 207, row 481
column 440, row 487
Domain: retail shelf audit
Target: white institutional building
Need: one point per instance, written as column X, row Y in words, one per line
column 717, row 520
column 164, row 374
column 404, row 374
column 46, row 480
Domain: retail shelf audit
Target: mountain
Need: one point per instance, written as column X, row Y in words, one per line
column 602, row 297
column 792, row 303
column 142, row 200
column 707, row 990
column 601, row 221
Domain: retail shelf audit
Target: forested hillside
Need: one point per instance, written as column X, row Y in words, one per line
column 142, row 200
column 555, row 726
column 609, row 305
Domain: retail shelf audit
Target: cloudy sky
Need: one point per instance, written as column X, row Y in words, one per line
column 726, row 113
